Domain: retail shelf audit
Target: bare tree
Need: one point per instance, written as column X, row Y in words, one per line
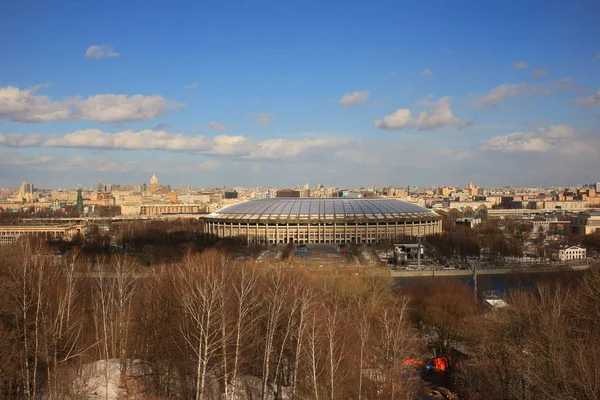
column 314, row 350
column 124, row 287
column 303, row 302
column 397, row 342
column 28, row 271
column 62, row 320
column 102, row 313
column 199, row 289
column 274, row 302
column 245, row 277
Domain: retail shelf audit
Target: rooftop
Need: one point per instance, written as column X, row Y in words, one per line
column 324, row 207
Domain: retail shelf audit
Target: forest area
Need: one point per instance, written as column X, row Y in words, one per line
column 211, row 327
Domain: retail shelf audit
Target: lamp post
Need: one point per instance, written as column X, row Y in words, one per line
column 419, row 253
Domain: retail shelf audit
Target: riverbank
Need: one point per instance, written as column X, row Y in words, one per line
column 494, row 271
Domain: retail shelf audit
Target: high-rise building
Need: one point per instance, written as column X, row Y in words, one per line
column 597, row 187
column 153, row 184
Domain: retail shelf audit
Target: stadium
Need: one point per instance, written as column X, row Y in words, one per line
column 322, row 220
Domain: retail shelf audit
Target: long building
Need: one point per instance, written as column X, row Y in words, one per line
column 10, row 233
column 322, row 220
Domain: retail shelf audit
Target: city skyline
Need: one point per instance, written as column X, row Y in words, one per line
column 337, row 94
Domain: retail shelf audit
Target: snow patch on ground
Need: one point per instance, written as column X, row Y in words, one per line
column 103, row 379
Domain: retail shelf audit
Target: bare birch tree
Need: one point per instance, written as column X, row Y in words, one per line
column 199, row 289
column 244, row 285
column 28, row 271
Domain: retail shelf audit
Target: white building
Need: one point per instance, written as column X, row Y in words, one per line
column 567, row 253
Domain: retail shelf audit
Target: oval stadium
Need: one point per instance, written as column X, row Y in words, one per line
column 322, row 220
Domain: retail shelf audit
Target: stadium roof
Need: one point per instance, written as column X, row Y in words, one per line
column 322, row 208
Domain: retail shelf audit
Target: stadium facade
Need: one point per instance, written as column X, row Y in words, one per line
column 322, row 220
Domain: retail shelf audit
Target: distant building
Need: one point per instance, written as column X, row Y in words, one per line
column 139, row 188
column 79, row 205
column 567, row 253
column 288, row 193
column 162, row 209
column 405, row 251
column 10, row 233
column 230, row 195
column 444, row 191
column 468, row 222
column 454, row 213
column 185, row 188
column 153, row 184
column 585, row 223
column 322, row 220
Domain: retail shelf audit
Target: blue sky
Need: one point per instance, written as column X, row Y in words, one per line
column 285, row 93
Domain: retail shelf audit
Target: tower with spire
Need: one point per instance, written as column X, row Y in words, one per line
column 79, row 206
column 153, row 184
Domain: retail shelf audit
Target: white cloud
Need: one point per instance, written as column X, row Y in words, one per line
column 282, row 148
column 354, row 98
column 120, row 107
column 542, row 140
column 227, row 145
column 500, row 93
column 393, row 73
column 538, row 73
column 426, row 72
column 24, row 105
column 519, row 65
column 590, row 101
column 439, row 116
column 222, row 145
column 100, row 51
column 263, row 119
column 192, row 86
column 128, row 140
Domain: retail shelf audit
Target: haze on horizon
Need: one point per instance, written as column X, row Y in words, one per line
column 280, row 94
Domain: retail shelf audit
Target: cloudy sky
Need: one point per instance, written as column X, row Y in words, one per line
column 341, row 93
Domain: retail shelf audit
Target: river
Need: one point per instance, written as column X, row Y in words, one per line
column 502, row 284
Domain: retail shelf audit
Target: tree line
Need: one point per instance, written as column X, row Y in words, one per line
column 209, row 327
